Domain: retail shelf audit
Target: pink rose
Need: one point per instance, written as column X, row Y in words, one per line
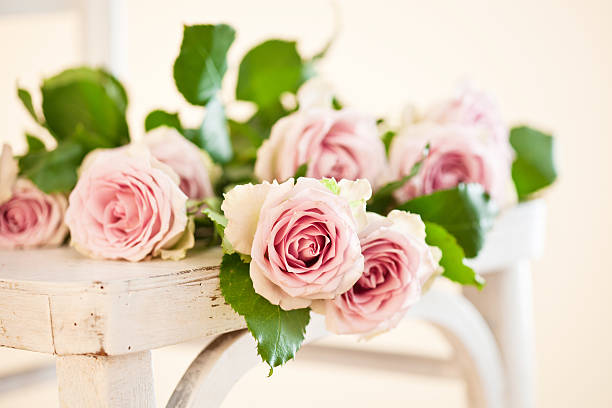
column 9, row 169
column 398, row 263
column 31, row 218
column 457, row 154
column 188, row 161
column 126, row 205
column 471, row 108
column 342, row 144
column 302, row 238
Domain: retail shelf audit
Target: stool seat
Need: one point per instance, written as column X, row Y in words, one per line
column 58, row 301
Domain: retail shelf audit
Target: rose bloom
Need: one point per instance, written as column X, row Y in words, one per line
column 342, row 144
column 302, row 237
column 127, row 205
column 9, row 169
column 457, row 154
column 189, row 162
column 398, row 265
column 31, row 218
column 471, row 108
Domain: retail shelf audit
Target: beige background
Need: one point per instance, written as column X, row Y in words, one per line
column 548, row 62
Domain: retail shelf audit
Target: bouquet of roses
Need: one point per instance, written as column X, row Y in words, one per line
column 318, row 207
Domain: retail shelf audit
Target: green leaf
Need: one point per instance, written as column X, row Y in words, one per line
column 90, row 98
column 263, row 120
column 220, row 222
column 383, row 199
column 465, row 211
column 331, row 184
column 534, row 167
column 34, row 143
column 301, row 171
column 268, row 70
column 336, row 104
column 452, row 256
column 387, row 138
column 279, row 333
column 245, row 140
column 202, row 62
column 89, row 141
column 26, row 99
column 214, row 133
column 159, row 118
column 55, row 170
column 216, row 217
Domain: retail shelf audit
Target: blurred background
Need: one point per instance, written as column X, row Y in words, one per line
column 547, row 62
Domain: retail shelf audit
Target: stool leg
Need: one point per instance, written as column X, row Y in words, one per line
column 106, row 381
column 507, row 305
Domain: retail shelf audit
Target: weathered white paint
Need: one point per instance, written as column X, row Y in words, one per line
column 507, row 301
column 518, row 233
column 214, row 372
column 106, row 382
column 57, row 301
column 507, row 306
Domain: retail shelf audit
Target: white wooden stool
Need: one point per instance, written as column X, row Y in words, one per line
column 102, row 318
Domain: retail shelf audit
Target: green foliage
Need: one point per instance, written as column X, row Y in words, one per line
column 387, row 138
column 26, row 99
column 382, row 200
column 53, row 171
column 214, row 133
column 84, row 109
column 198, row 75
column 202, row 62
column 452, row 256
column 160, row 117
column 534, row 167
column 301, row 171
column 245, row 141
column 34, row 143
column 331, row 184
column 279, row 333
column 220, row 222
column 268, row 70
column 465, row 211
column 336, row 104
column 87, row 100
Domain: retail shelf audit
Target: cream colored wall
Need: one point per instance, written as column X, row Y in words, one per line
column 549, row 62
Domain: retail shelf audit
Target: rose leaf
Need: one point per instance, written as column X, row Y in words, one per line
column 213, row 135
column 202, row 61
column 465, row 211
column 53, row 171
column 452, row 256
column 270, row 69
column 383, row 199
column 279, row 333
column 26, row 99
column 160, row 117
column 34, row 143
column 88, row 101
column 301, row 171
column 534, row 167
column 220, row 222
